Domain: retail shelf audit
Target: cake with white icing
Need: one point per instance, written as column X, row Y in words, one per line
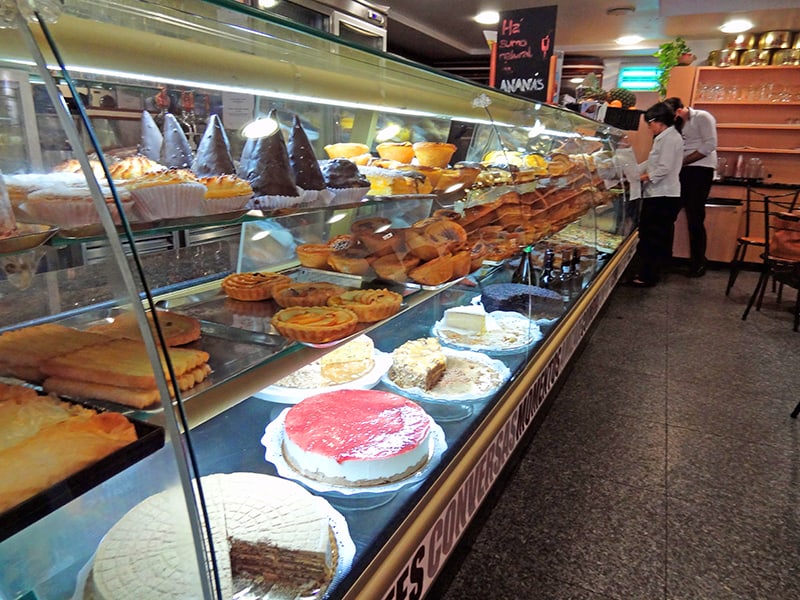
column 356, row 437
column 265, row 530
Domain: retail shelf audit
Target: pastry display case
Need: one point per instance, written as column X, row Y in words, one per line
column 324, row 292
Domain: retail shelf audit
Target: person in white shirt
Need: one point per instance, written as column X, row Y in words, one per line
column 699, row 131
column 661, row 195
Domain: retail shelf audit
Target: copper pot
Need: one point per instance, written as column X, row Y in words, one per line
column 728, row 58
column 743, row 41
column 787, row 56
column 771, row 40
column 755, row 57
column 796, row 40
column 713, row 58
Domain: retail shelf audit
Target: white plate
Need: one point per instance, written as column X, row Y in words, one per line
column 345, row 546
column 286, row 395
column 512, row 333
column 272, row 440
column 441, row 393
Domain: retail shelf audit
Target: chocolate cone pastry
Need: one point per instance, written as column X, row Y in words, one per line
column 175, row 151
column 152, row 139
column 244, row 160
column 267, row 169
column 213, row 152
column 305, row 167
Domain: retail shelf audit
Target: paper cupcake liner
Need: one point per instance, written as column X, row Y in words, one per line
column 347, row 195
column 215, row 206
column 304, row 198
column 169, row 201
column 69, row 214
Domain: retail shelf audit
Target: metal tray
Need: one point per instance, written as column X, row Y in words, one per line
column 96, row 229
column 30, row 236
column 149, row 439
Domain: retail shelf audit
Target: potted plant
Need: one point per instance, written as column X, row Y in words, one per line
column 670, row 55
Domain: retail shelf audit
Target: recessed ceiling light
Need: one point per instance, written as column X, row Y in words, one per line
column 488, row 17
column 576, row 80
column 620, row 11
column 736, row 26
column 629, row 40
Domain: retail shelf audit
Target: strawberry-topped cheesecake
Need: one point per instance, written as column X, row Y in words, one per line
column 356, row 437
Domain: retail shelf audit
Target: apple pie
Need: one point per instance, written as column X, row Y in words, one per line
column 369, row 305
column 305, row 294
column 252, row 286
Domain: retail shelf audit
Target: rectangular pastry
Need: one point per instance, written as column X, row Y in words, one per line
column 41, row 461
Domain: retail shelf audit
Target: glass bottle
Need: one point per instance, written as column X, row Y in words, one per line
column 524, row 271
column 565, row 276
column 546, row 280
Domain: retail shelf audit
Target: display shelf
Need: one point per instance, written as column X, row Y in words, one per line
column 701, row 102
column 757, row 150
column 770, row 126
column 241, row 65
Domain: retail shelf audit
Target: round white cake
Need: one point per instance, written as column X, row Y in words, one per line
column 262, row 527
column 357, row 437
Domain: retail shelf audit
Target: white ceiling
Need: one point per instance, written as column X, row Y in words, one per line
column 439, row 31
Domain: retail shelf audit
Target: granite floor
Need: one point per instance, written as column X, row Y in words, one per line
column 667, row 467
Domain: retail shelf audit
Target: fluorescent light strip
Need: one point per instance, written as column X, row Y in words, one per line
column 76, row 71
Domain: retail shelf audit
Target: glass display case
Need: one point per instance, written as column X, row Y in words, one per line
column 437, row 299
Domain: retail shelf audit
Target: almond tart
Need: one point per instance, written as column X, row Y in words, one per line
column 315, row 293
column 369, row 305
column 254, row 286
column 315, row 324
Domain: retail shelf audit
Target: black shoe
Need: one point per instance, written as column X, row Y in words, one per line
column 698, row 272
column 642, row 283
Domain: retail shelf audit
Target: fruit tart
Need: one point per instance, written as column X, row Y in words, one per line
column 315, row 324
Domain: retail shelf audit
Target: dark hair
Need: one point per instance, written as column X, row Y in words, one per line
column 674, row 103
column 661, row 112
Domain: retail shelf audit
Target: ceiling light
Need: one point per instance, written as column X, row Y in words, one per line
column 488, row 17
column 267, row 3
column 736, row 26
column 620, row 11
column 629, row 40
column 576, row 80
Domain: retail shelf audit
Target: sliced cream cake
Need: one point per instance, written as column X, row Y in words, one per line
column 263, row 527
column 418, row 364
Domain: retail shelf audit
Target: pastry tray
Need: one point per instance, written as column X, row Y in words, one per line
column 149, row 439
column 31, row 235
column 96, row 229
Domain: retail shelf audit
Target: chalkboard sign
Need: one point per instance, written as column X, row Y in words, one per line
column 525, row 39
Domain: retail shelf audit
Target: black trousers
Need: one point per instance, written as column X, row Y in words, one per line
column 695, row 186
column 656, row 233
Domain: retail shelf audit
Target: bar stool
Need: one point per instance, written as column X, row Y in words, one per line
column 743, row 242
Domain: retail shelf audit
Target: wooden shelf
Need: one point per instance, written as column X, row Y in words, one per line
column 757, row 150
column 747, row 68
column 775, row 126
column 743, row 103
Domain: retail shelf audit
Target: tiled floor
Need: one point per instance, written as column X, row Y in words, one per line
column 667, row 468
